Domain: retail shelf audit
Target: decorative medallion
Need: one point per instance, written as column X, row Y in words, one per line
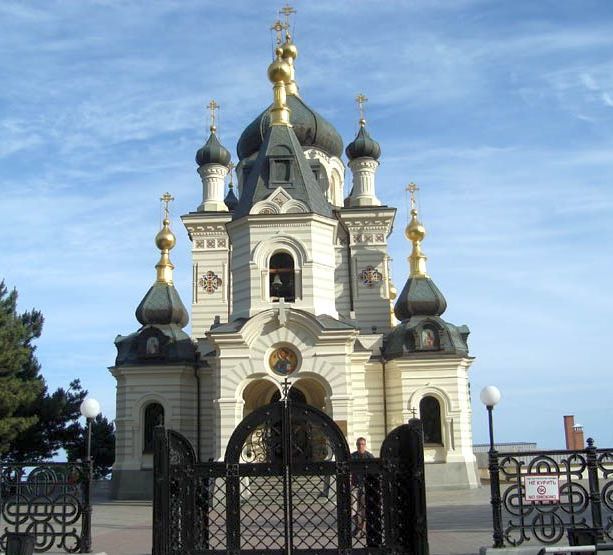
column 370, row 276
column 283, row 361
column 199, row 244
column 210, row 243
column 210, row 282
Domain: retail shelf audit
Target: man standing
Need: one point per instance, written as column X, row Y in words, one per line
column 358, row 489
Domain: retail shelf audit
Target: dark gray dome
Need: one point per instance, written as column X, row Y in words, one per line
column 426, row 336
column 310, row 128
column 231, row 201
column 213, row 152
column 161, row 306
column 363, row 146
column 419, row 297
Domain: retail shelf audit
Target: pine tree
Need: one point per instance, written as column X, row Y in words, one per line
column 57, row 425
column 20, row 382
column 102, row 448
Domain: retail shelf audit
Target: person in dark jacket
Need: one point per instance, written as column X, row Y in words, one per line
column 358, row 490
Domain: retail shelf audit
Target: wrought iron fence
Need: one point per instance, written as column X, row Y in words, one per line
column 49, row 501
column 539, row 495
column 321, row 502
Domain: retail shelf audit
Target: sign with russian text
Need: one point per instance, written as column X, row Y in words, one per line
column 541, row 488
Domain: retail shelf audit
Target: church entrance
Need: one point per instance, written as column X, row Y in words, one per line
column 271, row 495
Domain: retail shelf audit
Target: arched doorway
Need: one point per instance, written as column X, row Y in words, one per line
column 263, row 391
column 305, row 391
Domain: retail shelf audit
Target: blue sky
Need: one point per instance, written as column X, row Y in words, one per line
column 502, row 113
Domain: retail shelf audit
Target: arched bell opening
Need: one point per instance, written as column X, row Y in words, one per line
column 281, row 277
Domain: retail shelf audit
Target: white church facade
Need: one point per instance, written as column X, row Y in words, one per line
column 291, row 279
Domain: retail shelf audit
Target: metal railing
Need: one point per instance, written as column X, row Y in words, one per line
column 50, row 501
column 539, row 495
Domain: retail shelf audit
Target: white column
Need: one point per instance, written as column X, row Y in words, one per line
column 363, row 171
column 213, row 186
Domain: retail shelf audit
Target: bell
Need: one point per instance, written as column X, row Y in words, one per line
column 277, row 281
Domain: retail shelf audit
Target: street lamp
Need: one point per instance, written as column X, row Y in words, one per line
column 90, row 408
column 490, row 396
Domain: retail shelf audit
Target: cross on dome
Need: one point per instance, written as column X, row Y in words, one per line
column 361, row 100
column 166, row 198
column 412, row 188
column 287, row 11
column 213, row 107
column 278, row 28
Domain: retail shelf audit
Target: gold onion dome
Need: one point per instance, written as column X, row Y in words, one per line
column 415, row 231
column 279, row 70
column 289, row 49
column 165, row 238
column 162, row 304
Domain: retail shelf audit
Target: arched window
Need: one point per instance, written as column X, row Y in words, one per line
column 154, row 416
column 281, row 277
column 430, row 413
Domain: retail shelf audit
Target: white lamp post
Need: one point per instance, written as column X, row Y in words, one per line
column 90, row 408
column 490, row 396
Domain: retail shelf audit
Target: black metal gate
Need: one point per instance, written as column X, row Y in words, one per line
column 288, row 484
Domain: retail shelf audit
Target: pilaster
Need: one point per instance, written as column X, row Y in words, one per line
column 211, row 272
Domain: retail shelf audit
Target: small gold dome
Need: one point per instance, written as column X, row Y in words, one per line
column 279, row 70
column 165, row 239
column 393, row 291
column 415, row 231
column 289, row 49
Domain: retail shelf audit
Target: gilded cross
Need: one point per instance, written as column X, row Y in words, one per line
column 361, row 100
column 287, row 11
column 411, row 188
column 213, row 106
column 166, row 198
column 278, row 27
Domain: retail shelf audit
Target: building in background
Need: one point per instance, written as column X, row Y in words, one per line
column 291, row 279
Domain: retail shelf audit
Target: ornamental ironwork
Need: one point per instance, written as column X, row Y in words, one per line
column 581, row 498
column 50, row 501
column 210, row 282
column 289, row 484
column 370, row 276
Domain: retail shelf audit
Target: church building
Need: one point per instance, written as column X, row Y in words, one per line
column 291, row 279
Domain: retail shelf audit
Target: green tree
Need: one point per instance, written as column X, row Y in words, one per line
column 20, row 381
column 57, row 425
column 102, row 449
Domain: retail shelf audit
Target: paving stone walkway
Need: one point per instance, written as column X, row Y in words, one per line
column 459, row 523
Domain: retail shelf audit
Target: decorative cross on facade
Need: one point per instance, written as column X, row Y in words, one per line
column 370, row 276
column 412, row 188
column 287, row 11
column 210, row 282
column 361, row 100
column 166, row 198
column 278, row 27
column 213, row 106
column 414, row 412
